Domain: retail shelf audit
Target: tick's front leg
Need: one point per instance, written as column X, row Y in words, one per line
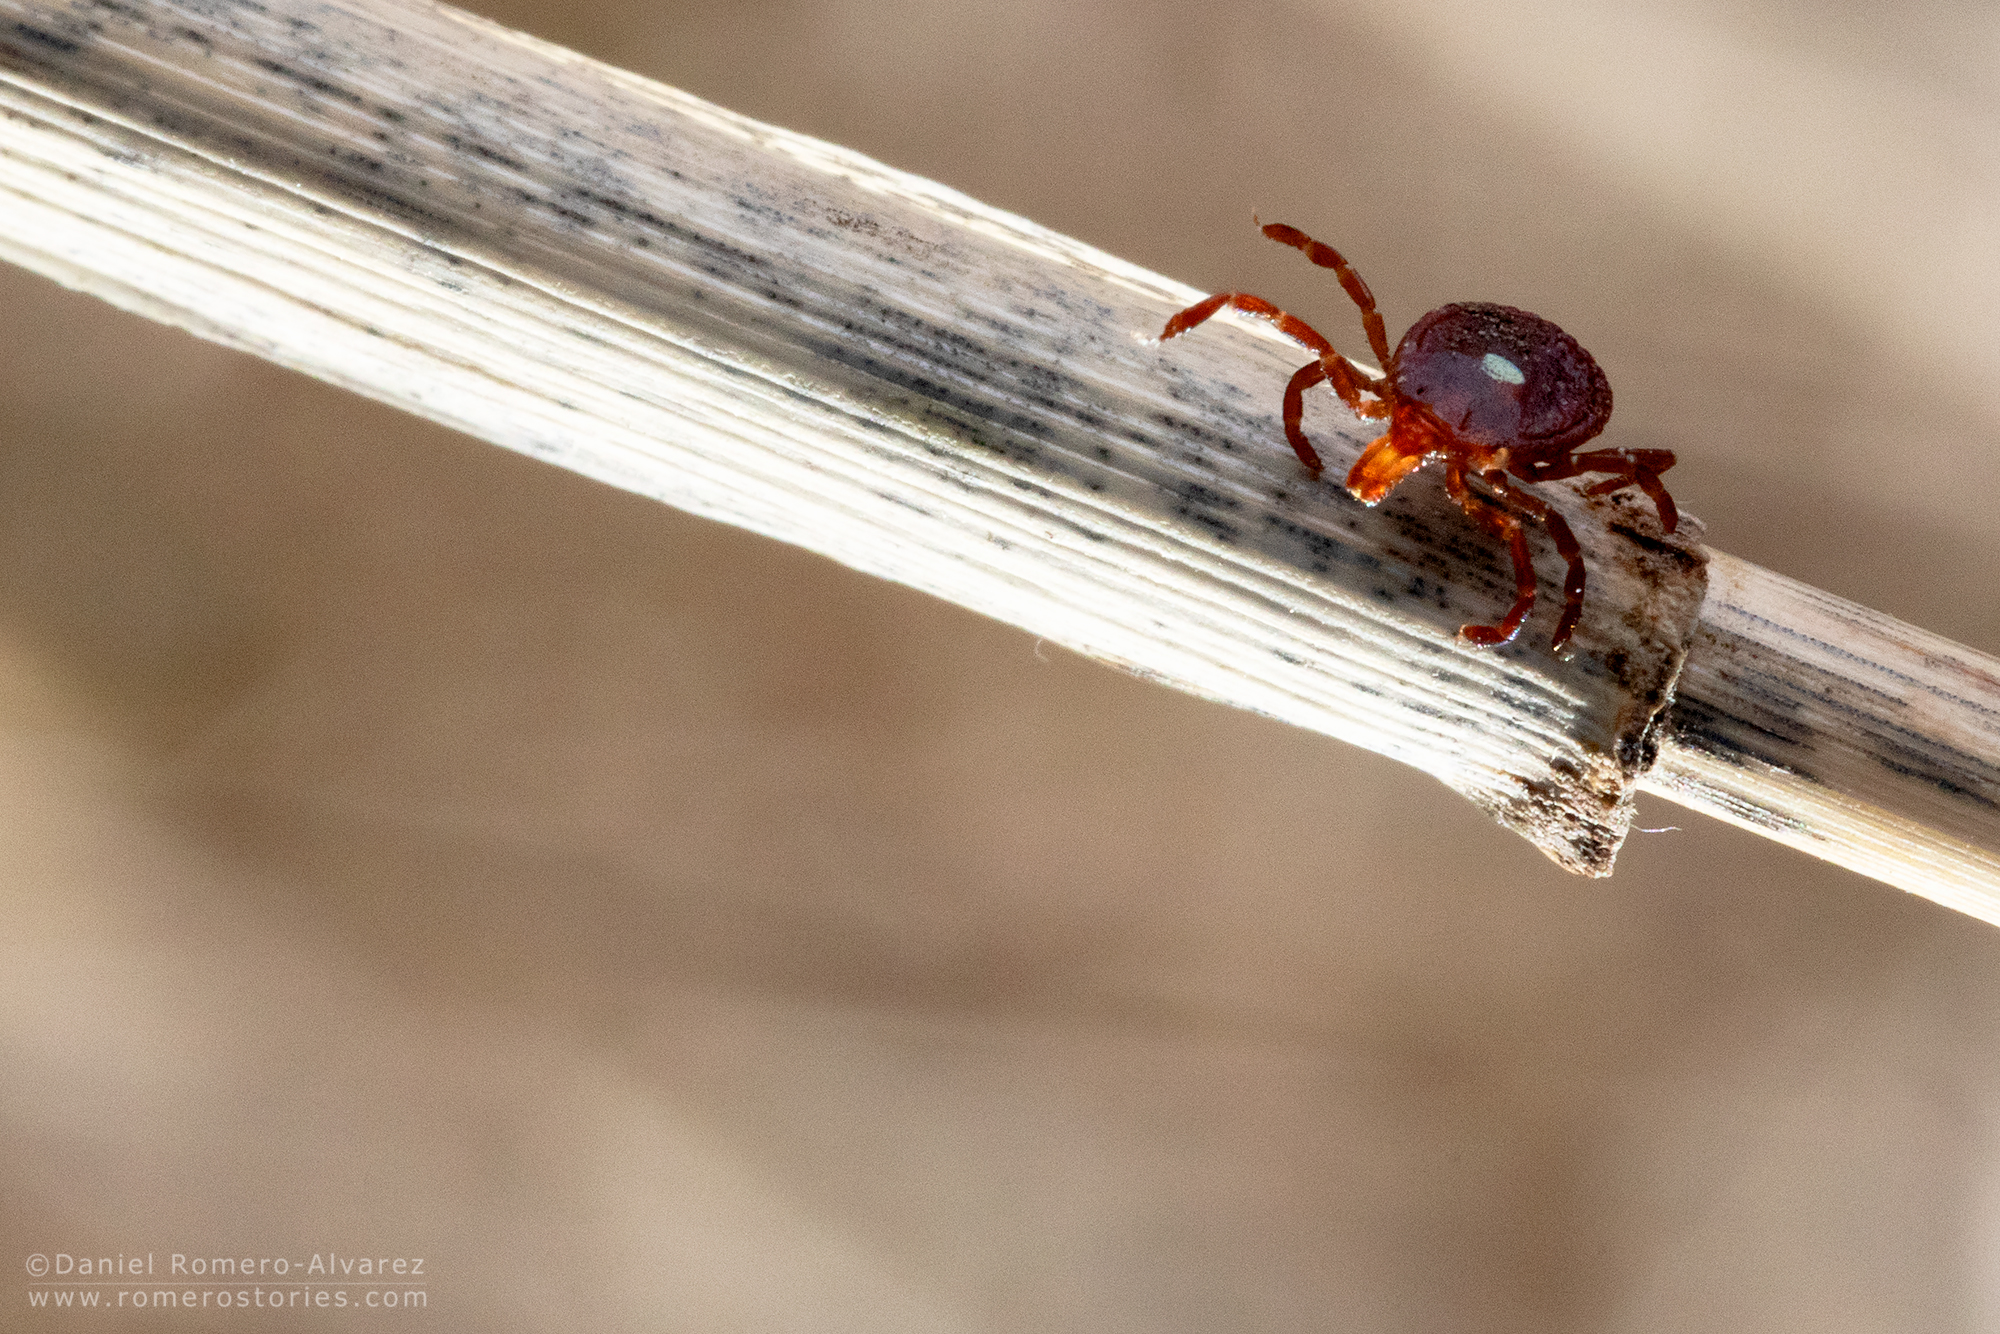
column 1324, row 255
column 1336, row 371
column 1291, row 326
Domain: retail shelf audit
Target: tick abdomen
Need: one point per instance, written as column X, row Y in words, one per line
column 1497, row 376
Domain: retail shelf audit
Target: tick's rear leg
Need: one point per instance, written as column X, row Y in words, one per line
column 1629, row 467
column 1502, row 516
column 1566, row 546
column 1656, row 491
column 1493, row 516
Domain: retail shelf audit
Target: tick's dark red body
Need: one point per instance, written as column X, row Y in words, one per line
column 1495, row 392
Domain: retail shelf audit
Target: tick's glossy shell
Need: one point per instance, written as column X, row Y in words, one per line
column 1497, row 376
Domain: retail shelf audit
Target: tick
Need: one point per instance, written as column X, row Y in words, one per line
column 1500, row 395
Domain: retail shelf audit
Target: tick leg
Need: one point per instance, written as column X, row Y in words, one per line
column 1655, row 489
column 1630, row 467
column 1383, row 464
column 1495, row 517
column 1308, row 375
column 1336, row 370
column 1351, row 384
column 1566, row 546
column 1291, row 326
column 1324, row 255
column 1607, row 460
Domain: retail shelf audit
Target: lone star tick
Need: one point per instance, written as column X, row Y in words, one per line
column 1490, row 390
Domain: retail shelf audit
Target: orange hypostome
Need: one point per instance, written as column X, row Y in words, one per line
column 1380, row 467
column 1415, row 434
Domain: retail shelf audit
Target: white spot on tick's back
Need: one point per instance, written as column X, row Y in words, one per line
column 1501, row 369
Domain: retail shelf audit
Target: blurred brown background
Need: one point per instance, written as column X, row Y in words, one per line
column 412, row 849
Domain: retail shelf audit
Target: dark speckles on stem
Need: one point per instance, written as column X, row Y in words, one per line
column 1074, row 304
column 1194, row 493
column 757, row 208
column 1187, row 430
column 1687, row 560
column 1702, row 727
column 49, row 40
column 1421, row 589
column 1943, row 784
column 1222, row 530
column 904, row 502
column 1537, row 708
column 1042, row 378
column 386, row 200
column 624, row 211
column 480, row 150
column 931, row 334
column 308, row 81
column 1322, row 552
column 934, row 400
column 361, row 160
